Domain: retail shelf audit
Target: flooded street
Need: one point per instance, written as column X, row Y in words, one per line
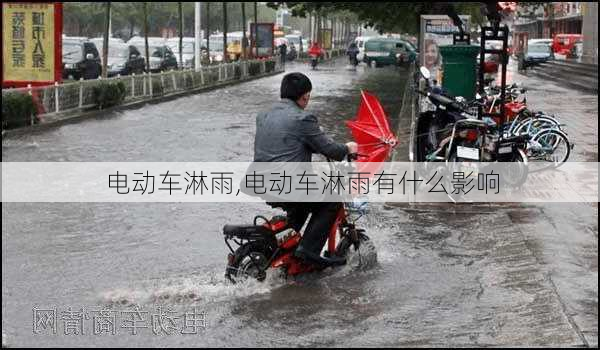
column 452, row 275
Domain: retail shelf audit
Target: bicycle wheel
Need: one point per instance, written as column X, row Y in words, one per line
column 532, row 125
column 550, row 145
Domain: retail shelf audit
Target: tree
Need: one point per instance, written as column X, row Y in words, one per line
column 385, row 16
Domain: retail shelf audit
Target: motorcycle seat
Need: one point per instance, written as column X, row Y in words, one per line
column 516, row 139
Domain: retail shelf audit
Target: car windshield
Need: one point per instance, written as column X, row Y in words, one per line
column 188, row 48
column 156, row 51
column 118, row 52
column 293, row 40
column 539, row 49
column 72, row 51
column 410, row 45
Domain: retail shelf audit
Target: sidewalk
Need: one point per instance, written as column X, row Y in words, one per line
column 578, row 110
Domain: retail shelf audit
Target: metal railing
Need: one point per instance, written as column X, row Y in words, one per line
column 79, row 95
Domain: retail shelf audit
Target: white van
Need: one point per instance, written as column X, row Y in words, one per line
column 360, row 43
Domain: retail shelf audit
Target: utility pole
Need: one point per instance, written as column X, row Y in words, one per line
column 105, row 41
column 255, row 28
column 244, row 39
column 207, row 34
column 180, row 35
column 197, row 36
column 146, row 37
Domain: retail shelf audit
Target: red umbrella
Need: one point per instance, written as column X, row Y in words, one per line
column 372, row 133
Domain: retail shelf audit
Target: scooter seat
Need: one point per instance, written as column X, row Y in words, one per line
column 245, row 231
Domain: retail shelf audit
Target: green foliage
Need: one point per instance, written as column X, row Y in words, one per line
column 87, row 18
column 269, row 66
column 108, row 94
column 254, row 68
column 399, row 17
column 17, row 110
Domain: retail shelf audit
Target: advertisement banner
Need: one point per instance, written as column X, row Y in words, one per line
column 326, row 39
column 31, row 43
column 437, row 30
column 264, row 40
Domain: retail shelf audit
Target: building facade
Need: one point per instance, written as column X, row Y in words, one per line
column 590, row 32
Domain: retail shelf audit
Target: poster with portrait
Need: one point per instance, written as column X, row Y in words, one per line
column 437, row 30
column 31, row 43
column 264, row 40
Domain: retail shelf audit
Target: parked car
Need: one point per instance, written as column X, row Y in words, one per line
column 99, row 42
column 187, row 51
column 140, row 43
column 124, row 59
column 161, row 58
column 80, row 59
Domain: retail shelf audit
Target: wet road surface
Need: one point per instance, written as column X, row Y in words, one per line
column 460, row 275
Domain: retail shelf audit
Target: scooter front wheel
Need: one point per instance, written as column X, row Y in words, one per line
column 362, row 256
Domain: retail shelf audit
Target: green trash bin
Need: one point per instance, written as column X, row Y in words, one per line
column 460, row 69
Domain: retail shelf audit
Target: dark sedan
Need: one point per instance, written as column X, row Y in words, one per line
column 124, row 60
column 80, row 60
column 162, row 58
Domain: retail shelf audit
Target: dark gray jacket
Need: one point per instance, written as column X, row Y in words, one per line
column 287, row 133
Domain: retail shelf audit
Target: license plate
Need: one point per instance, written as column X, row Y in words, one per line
column 467, row 152
column 505, row 150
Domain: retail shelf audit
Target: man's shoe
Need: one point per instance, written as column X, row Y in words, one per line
column 313, row 258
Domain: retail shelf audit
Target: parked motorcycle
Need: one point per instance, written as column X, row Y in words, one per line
column 451, row 134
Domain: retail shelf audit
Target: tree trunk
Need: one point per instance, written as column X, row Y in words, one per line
column 225, row 56
column 333, row 33
column 319, row 30
column 310, row 29
column 131, row 27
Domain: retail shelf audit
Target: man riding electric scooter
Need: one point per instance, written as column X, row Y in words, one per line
column 287, row 133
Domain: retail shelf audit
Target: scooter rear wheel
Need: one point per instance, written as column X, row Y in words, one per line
column 249, row 261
